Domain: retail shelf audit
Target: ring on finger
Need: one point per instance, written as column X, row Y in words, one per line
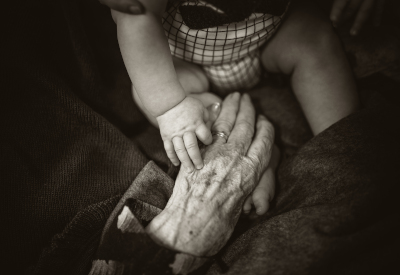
column 220, row 134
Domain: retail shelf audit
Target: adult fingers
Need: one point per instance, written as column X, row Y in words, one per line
column 243, row 131
column 337, row 10
column 192, row 148
column 182, row 154
column 169, row 149
column 125, row 6
column 247, row 204
column 352, row 8
column 227, row 116
column 261, row 148
column 362, row 15
column 264, row 192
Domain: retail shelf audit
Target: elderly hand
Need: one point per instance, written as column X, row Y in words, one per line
column 206, row 204
column 125, row 6
column 362, row 9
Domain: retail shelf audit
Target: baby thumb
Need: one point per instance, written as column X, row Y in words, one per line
column 211, row 114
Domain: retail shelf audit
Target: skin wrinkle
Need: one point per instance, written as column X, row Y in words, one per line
column 227, row 204
column 205, row 204
column 192, row 236
column 208, row 224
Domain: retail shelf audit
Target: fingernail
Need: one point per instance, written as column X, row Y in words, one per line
column 235, row 94
column 353, row 32
column 189, row 169
column 198, row 167
column 135, row 9
column 216, row 106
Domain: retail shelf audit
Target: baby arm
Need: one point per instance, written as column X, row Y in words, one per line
column 147, row 57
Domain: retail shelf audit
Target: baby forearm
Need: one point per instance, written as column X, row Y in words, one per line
column 148, row 60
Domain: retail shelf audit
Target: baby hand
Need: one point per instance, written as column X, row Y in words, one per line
column 362, row 9
column 179, row 128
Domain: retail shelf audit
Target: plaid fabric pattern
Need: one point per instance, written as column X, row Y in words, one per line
column 228, row 53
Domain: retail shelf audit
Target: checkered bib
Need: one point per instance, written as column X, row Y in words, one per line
column 229, row 53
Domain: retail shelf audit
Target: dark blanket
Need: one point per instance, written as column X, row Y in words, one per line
column 73, row 141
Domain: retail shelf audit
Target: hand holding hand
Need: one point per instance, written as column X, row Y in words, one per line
column 360, row 9
column 206, row 204
column 180, row 127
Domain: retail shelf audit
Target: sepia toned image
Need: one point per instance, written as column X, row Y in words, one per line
column 200, row 137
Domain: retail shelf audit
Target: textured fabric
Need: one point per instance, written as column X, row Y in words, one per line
column 228, row 51
column 73, row 141
column 335, row 211
column 71, row 134
column 124, row 247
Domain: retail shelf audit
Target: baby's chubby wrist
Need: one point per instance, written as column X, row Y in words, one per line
column 165, row 98
column 169, row 104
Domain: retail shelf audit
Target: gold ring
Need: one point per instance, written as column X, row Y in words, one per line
column 221, row 134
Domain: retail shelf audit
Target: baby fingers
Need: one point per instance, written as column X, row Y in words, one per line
column 204, row 134
column 190, row 140
column 169, row 149
column 180, row 150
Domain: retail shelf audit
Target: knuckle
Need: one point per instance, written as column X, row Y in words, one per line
column 223, row 124
column 241, row 147
column 186, row 162
column 266, row 143
column 245, row 125
column 170, row 152
column 236, row 154
column 256, row 161
column 180, row 150
column 191, row 145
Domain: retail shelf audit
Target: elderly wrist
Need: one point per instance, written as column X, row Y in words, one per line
column 163, row 229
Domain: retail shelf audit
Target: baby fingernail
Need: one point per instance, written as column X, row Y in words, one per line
column 216, row 106
column 198, row 167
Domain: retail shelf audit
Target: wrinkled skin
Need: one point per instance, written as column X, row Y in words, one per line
column 205, row 205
